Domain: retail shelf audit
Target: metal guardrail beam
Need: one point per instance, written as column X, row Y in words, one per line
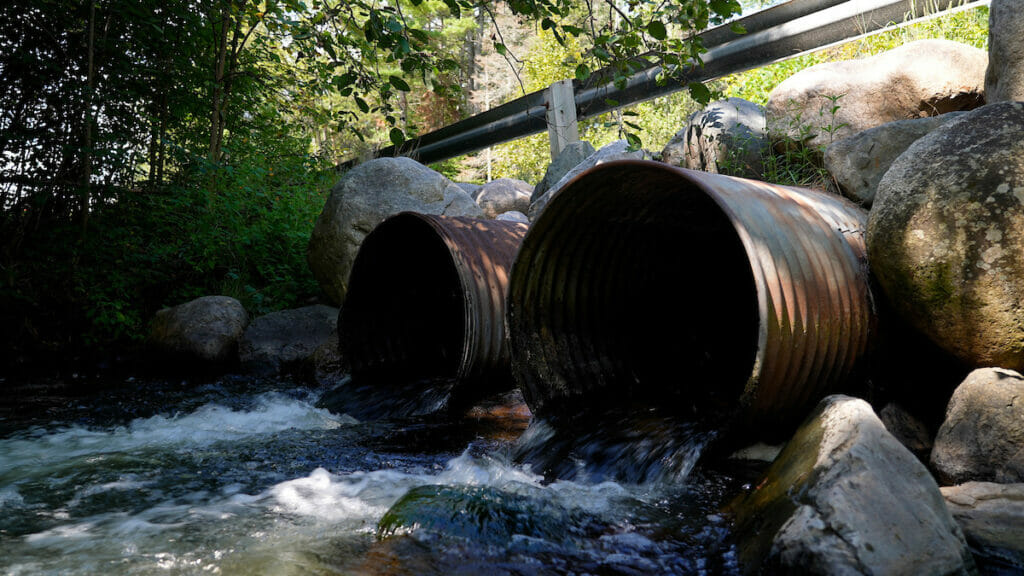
column 832, row 25
column 774, row 34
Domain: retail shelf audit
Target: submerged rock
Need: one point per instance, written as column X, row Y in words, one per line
column 485, row 515
column 983, row 435
column 206, row 330
column 845, row 497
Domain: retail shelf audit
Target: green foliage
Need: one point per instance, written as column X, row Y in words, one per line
column 238, row 230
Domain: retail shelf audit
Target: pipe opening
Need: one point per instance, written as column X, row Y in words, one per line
column 635, row 293
column 404, row 313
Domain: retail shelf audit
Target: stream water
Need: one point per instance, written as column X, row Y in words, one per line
column 244, row 476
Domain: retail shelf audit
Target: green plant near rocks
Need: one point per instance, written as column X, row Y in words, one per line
column 795, row 161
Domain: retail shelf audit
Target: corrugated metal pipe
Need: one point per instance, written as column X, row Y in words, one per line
column 426, row 300
column 645, row 286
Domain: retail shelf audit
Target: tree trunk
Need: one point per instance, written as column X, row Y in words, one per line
column 87, row 137
column 216, row 107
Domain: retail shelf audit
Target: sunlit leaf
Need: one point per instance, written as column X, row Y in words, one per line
column 699, row 92
column 633, row 142
column 582, row 72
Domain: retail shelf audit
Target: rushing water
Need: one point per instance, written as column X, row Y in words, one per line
column 240, row 476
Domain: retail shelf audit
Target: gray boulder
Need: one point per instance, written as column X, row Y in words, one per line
column 726, row 137
column 982, row 437
column 618, row 150
column 845, row 497
column 362, row 199
column 469, row 188
column 205, row 330
column 326, row 366
column 281, row 340
column 908, row 429
column 945, row 236
column 992, row 518
column 835, row 100
column 1004, row 79
column 504, row 195
column 858, row 163
column 513, row 216
column 567, row 159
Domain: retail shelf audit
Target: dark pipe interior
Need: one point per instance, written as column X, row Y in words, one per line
column 694, row 321
column 649, row 295
column 403, row 317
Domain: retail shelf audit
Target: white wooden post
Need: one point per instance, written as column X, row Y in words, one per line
column 561, row 116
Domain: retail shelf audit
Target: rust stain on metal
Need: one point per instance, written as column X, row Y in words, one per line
column 427, row 299
column 631, row 250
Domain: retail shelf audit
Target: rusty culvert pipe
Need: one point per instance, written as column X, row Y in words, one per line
column 645, row 284
column 426, row 300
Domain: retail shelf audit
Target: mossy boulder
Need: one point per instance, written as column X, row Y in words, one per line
column 945, row 236
column 484, row 514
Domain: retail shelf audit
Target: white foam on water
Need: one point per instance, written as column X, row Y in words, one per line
column 366, row 496
column 223, row 529
column 227, row 531
column 206, row 425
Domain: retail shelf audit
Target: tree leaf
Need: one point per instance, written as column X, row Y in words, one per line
column 633, row 141
column 399, row 83
column 699, row 92
column 657, row 30
column 453, row 7
column 362, row 104
column 582, row 72
column 397, row 136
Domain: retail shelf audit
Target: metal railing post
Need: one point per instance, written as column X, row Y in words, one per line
column 563, row 128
